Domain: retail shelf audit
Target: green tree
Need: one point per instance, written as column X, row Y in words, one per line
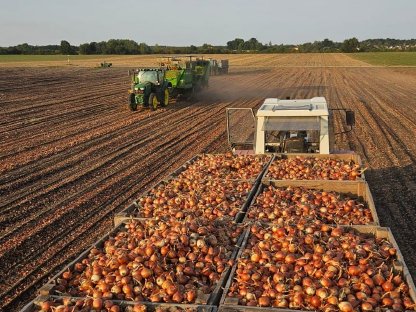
column 327, row 43
column 157, row 49
column 254, row 45
column 25, row 48
column 121, row 46
column 101, row 47
column 350, row 45
column 235, row 44
column 84, row 48
column 192, row 49
column 144, row 48
column 66, row 47
column 206, row 48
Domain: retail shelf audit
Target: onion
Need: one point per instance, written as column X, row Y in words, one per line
column 310, row 290
column 177, row 297
column 387, row 302
column 387, row 286
column 345, row 306
column 315, row 301
column 146, row 272
column 45, row 305
column 322, row 293
column 97, row 304
column 264, row 301
column 190, row 295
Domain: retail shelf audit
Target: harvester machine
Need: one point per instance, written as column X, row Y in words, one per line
column 200, row 69
column 186, row 77
column 285, row 126
column 106, row 65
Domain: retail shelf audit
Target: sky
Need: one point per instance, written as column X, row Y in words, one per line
column 186, row 22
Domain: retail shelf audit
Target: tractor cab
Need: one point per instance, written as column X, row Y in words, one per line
column 283, row 126
column 149, row 88
column 145, row 78
column 149, row 76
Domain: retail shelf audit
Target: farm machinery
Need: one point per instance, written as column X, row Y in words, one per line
column 218, row 67
column 174, row 77
column 284, row 126
column 106, row 65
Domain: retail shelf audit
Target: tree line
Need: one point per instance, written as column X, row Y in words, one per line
column 238, row 45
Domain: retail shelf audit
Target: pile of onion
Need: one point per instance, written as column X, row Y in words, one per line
column 67, row 304
column 311, row 168
column 154, row 260
column 225, row 166
column 285, row 205
column 201, row 198
column 318, row 267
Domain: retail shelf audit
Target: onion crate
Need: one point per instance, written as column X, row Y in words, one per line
column 358, row 191
column 215, row 209
column 351, row 159
column 230, row 175
column 60, row 285
column 243, row 290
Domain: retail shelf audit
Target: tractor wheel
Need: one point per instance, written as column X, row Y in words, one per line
column 165, row 101
column 153, row 102
column 132, row 102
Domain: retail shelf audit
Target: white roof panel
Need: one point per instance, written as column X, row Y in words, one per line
column 316, row 106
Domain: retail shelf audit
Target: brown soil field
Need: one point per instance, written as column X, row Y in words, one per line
column 236, row 60
column 72, row 154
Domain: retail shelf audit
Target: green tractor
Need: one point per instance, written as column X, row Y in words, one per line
column 152, row 87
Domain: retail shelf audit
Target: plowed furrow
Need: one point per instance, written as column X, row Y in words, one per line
column 92, row 171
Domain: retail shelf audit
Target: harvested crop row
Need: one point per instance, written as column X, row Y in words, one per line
column 225, row 166
column 181, row 197
column 310, row 168
column 321, row 268
column 289, row 205
column 157, row 261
